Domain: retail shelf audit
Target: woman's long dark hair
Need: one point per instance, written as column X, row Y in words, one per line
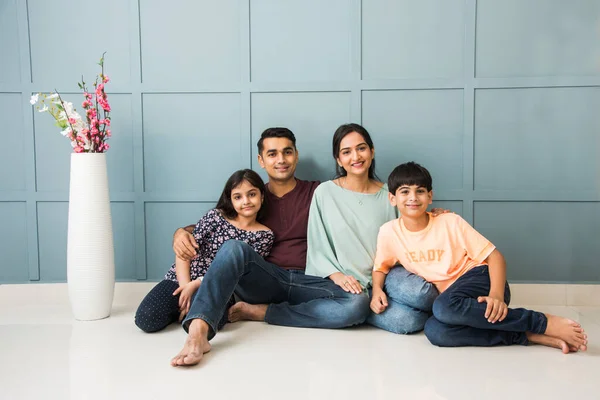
column 340, row 134
column 225, row 205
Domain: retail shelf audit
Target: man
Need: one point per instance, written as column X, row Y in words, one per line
column 275, row 289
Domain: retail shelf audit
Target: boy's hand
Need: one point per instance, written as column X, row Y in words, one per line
column 185, row 296
column 379, row 301
column 496, row 308
column 346, row 282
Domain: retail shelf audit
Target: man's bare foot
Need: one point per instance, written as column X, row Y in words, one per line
column 196, row 345
column 241, row 311
column 567, row 330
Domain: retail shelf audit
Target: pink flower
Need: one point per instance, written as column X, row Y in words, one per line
column 105, row 79
column 72, row 120
column 78, row 149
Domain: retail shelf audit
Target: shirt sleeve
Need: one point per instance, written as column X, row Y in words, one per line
column 478, row 248
column 263, row 243
column 320, row 256
column 385, row 257
column 204, row 226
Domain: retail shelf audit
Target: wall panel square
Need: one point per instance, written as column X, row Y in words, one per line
column 312, row 117
column 537, row 139
column 52, row 219
column 14, row 265
column 537, row 38
column 412, row 39
column 162, row 219
column 193, row 142
column 123, row 221
column 10, row 62
column 52, row 150
column 13, row 157
column 425, row 126
column 67, row 41
column 544, row 241
column 190, row 42
column 300, row 40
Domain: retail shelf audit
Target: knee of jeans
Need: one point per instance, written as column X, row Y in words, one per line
column 355, row 311
column 408, row 325
column 435, row 333
column 444, row 309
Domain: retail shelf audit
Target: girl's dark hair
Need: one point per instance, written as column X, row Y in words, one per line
column 340, row 134
column 225, row 205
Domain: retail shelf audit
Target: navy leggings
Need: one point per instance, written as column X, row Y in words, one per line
column 160, row 308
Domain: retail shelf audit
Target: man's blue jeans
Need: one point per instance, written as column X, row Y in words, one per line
column 458, row 319
column 410, row 299
column 294, row 299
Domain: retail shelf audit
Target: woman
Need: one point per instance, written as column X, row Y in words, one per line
column 345, row 216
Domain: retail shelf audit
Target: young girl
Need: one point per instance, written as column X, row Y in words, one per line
column 235, row 217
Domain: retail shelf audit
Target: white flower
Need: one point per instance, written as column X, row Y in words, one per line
column 34, row 99
column 52, row 96
column 43, row 109
column 66, row 132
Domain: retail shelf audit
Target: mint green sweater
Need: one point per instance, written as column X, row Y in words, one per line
column 342, row 231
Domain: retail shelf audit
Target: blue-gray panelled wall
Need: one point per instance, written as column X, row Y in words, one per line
column 500, row 99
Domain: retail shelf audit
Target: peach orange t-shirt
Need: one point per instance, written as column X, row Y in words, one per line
column 441, row 253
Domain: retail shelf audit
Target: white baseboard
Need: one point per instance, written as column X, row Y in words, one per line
column 134, row 292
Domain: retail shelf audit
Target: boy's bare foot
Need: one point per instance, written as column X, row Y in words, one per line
column 241, row 311
column 549, row 341
column 567, row 330
column 196, row 345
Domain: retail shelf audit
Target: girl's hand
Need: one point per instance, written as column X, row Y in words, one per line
column 186, row 294
column 496, row 308
column 379, row 301
column 346, row 282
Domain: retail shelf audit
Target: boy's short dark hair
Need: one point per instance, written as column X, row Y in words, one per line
column 275, row 133
column 409, row 174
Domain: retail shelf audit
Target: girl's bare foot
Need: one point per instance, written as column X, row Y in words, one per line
column 241, row 311
column 567, row 330
column 196, row 345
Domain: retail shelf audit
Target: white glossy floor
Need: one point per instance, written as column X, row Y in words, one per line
column 45, row 354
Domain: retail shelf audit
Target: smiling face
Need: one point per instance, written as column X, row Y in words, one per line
column 355, row 155
column 279, row 158
column 412, row 200
column 246, row 199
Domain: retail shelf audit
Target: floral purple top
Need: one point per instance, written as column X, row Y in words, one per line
column 211, row 232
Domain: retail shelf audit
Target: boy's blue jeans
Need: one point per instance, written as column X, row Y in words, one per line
column 410, row 299
column 458, row 319
column 293, row 299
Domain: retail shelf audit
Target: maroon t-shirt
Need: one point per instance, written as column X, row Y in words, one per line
column 287, row 217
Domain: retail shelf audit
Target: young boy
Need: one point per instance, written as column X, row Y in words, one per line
column 469, row 272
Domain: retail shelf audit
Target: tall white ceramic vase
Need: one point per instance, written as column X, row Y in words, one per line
column 90, row 251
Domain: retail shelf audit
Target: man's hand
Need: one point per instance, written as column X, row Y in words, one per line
column 379, row 301
column 346, row 282
column 496, row 308
column 184, row 244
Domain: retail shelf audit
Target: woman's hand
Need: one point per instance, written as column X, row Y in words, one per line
column 496, row 308
column 184, row 244
column 439, row 211
column 186, row 293
column 346, row 282
column 379, row 301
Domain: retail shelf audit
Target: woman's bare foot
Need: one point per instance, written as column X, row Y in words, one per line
column 196, row 345
column 241, row 311
column 567, row 330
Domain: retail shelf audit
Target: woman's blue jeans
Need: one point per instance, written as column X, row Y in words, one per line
column 410, row 299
